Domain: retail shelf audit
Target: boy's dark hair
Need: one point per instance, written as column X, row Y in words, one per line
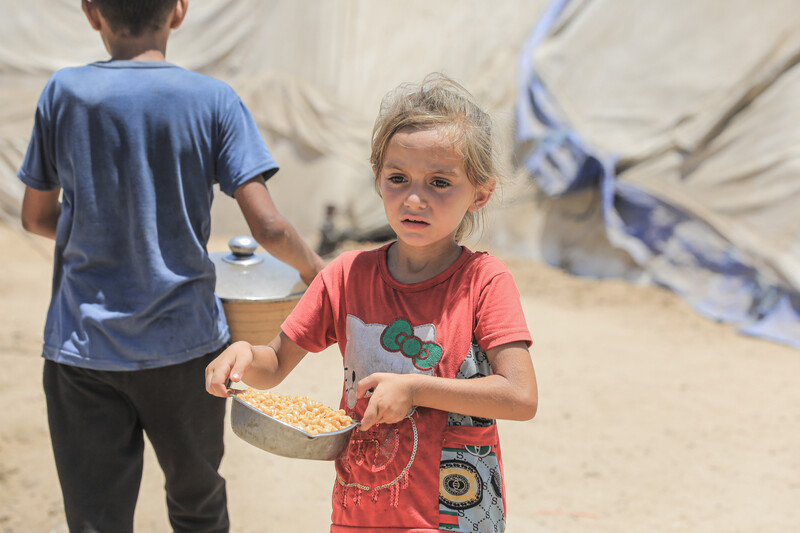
column 135, row 16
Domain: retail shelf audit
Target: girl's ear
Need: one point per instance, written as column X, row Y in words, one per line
column 482, row 196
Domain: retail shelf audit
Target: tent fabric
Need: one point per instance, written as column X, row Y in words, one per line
column 660, row 136
column 312, row 74
column 680, row 121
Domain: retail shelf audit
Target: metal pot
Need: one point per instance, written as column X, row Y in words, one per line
column 275, row 436
column 257, row 291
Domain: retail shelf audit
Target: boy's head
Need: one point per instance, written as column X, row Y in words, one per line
column 134, row 17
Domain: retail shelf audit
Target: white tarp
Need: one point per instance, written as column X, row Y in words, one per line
column 654, row 139
column 672, row 127
column 312, row 72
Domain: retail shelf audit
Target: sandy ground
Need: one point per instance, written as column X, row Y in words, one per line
column 651, row 418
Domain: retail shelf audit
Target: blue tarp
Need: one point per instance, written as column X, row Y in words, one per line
column 678, row 250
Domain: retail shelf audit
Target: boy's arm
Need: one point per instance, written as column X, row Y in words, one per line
column 274, row 232
column 40, row 211
column 261, row 367
column 509, row 393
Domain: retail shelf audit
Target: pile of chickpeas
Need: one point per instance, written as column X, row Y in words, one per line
column 311, row 416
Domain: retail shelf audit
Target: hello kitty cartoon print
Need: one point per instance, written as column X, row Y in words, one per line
column 398, row 348
column 378, row 461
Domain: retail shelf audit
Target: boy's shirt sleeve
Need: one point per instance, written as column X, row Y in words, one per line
column 242, row 153
column 38, row 170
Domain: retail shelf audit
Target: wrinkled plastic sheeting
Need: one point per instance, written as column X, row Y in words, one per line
column 678, row 249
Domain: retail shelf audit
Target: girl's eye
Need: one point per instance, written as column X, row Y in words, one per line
column 440, row 183
column 395, row 179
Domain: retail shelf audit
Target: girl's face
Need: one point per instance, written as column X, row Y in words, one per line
column 425, row 188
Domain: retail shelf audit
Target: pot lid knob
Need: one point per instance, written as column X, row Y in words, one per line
column 243, row 251
column 242, row 245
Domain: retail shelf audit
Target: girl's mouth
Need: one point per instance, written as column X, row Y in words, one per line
column 414, row 223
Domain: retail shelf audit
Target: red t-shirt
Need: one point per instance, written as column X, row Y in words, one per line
column 433, row 470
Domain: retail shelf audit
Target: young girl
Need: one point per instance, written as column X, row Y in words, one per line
column 434, row 341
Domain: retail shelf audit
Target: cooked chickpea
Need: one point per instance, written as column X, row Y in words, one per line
column 311, row 416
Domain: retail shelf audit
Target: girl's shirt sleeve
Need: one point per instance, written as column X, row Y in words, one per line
column 312, row 323
column 499, row 318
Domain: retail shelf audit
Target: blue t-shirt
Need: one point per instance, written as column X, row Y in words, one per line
column 136, row 148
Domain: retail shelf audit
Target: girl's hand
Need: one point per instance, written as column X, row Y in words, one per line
column 229, row 365
column 390, row 398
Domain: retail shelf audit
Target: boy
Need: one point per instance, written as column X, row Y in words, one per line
column 134, row 145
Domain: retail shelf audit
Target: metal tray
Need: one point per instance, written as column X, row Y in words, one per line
column 272, row 435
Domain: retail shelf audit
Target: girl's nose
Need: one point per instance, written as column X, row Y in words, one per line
column 415, row 199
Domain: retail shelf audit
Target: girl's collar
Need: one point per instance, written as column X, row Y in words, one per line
column 466, row 253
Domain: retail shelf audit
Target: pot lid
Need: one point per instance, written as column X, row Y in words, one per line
column 243, row 275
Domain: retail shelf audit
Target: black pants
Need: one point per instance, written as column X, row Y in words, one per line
column 96, row 423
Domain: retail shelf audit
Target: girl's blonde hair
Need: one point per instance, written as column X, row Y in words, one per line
column 441, row 103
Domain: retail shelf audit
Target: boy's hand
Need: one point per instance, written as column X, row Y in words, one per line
column 229, row 365
column 390, row 401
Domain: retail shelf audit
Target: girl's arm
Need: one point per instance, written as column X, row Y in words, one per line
column 509, row 393
column 261, row 367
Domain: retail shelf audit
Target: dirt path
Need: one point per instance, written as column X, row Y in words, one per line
column 651, row 418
